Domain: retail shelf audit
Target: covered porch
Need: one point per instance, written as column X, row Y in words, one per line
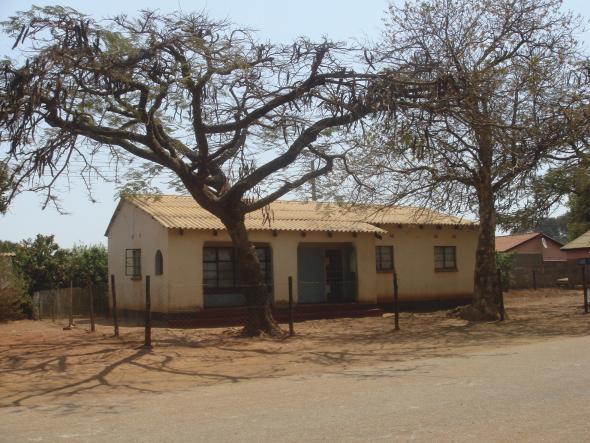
column 326, row 273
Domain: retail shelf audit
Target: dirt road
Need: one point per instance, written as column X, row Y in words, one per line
column 534, row 392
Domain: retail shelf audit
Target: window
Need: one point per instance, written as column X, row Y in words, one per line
column 263, row 254
column 445, row 258
column 384, row 258
column 220, row 268
column 133, row 262
column 159, row 263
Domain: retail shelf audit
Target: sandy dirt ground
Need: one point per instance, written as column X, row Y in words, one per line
column 41, row 364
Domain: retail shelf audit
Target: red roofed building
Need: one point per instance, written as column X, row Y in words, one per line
column 538, row 260
column 531, row 243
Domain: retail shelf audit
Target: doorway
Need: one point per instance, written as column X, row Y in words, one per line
column 327, row 274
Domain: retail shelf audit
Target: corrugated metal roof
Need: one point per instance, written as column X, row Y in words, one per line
column 583, row 241
column 183, row 212
column 7, row 254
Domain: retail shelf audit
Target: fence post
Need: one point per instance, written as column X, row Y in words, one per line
column 91, row 306
column 535, row 279
column 148, row 314
column 291, row 329
column 114, row 294
column 395, row 303
column 36, row 306
column 58, row 304
column 501, row 295
column 71, row 316
column 585, row 286
column 54, row 301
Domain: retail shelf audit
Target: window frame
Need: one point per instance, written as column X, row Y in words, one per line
column 447, row 265
column 133, row 263
column 379, row 258
column 266, row 266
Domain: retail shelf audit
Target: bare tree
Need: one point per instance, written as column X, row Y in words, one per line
column 5, row 187
column 509, row 104
column 231, row 117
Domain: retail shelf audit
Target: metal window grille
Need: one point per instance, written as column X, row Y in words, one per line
column 133, row 262
column 384, row 258
column 445, row 258
column 220, row 268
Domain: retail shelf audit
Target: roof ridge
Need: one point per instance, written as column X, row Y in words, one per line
column 352, row 205
column 515, row 235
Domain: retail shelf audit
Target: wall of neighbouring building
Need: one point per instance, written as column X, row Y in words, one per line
column 530, row 270
column 535, row 246
column 576, row 254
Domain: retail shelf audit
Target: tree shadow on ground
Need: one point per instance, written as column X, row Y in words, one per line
column 59, row 368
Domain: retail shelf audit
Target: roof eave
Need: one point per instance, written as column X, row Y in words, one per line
column 573, row 248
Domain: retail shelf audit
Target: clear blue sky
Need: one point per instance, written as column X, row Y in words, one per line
column 274, row 19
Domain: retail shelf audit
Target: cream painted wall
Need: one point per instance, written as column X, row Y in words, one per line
column 414, row 263
column 180, row 287
column 132, row 228
column 185, row 258
column 186, row 269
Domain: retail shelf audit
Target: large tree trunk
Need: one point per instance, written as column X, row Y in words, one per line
column 485, row 304
column 259, row 316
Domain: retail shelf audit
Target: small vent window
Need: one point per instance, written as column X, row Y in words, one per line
column 159, row 263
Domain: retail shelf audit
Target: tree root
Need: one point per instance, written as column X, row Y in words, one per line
column 474, row 314
column 273, row 330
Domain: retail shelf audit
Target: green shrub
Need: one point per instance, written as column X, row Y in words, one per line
column 15, row 303
column 504, row 264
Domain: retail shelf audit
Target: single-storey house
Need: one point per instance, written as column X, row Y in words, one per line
column 531, row 243
column 578, row 248
column 333, row 254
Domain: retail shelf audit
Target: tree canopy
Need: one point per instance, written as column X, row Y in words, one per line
column 230, row 117
column 512, row 102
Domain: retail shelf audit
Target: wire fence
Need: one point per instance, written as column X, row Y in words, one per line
column 95, row 305
column 227, row 306
column 72, row 305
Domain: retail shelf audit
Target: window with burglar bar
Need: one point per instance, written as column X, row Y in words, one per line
column 221, row 270
column 445, row 258
column 384, row 258
column 133, row 262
